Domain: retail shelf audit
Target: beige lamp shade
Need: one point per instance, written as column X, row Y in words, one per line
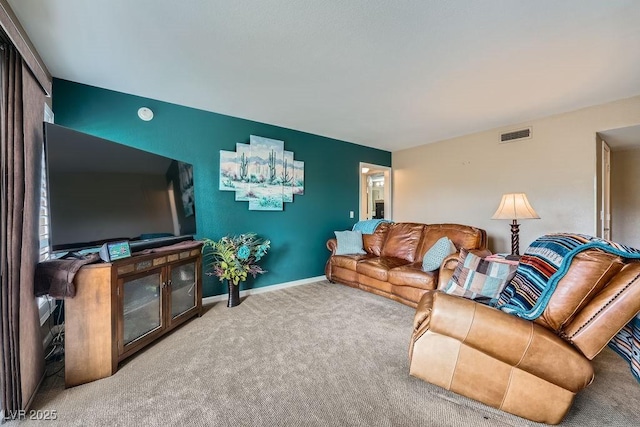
column 515, row 206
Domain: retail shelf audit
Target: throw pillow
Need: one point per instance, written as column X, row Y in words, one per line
column 437, row 253
column 349, row 243
column 475, row 277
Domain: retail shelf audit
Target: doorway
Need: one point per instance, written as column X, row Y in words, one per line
column 618, row 185
column 375, row 192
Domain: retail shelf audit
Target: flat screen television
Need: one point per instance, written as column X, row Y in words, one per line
column 102, row 191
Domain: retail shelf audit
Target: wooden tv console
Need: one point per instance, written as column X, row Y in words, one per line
column 123, row 306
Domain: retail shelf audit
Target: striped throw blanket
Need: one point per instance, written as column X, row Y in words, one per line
column 627, row 344
column 542, row 266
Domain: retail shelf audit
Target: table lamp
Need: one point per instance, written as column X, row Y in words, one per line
column 515, row 206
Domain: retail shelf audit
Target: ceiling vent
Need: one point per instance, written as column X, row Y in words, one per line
column 516, row 135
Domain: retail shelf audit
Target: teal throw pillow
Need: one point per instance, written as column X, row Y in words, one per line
column 349, row 243
column 437, row 253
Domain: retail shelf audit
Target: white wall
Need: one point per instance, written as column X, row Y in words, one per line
column 625, row 197
column 462, row 179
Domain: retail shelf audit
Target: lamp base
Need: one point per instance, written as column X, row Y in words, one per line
column 512, row 257
column 515, row 240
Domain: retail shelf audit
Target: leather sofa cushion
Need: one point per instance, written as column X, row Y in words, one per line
column 348, row 261
column 412, row 275
column 373, row 243
column 588, row 274
column 378, row 287
column 463, row 236
column 378, row 268
column 402, row 241
column 344, row 275
column 408, row 294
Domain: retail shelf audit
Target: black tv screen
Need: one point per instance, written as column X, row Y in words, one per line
column 101, row 191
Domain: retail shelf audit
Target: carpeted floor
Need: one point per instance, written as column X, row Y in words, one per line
column 315, row 355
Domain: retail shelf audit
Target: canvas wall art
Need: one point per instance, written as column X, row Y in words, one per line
column 228, row 170
column 262, row 173
column 242, row 184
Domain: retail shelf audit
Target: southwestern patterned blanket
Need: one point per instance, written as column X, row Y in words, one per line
column 548, row 259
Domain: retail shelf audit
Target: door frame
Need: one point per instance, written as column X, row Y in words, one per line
column 388, row 188
column 605, row 191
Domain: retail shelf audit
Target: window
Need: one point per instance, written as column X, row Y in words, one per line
column 46, row 305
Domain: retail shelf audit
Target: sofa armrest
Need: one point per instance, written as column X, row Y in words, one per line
column 447, row 268
column 481, row 252
column 332, row 244
column 517, row 342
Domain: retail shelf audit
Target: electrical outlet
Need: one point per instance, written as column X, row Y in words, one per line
column 350, row 214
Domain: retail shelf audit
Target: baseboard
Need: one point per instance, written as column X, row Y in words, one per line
column 27, row 406
column 223, row 297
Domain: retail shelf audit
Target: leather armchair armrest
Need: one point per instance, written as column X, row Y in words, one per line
column 423, row 311
column 332, row 244
column 505, row 337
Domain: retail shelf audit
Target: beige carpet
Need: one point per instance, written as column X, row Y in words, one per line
column 314, row 355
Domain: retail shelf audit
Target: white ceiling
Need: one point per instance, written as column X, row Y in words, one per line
column 388, row 74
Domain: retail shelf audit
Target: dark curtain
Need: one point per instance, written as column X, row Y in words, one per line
column 31, row 351
column 12, row 204
column 21, row 114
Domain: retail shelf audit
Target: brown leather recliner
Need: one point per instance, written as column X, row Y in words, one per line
column 532, row 369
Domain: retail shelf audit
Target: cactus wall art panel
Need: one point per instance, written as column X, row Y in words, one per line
column 265, row 165
column 262, row 173
column 287, row 177
column 243, row 182
column 228, row 170
column 298, row 177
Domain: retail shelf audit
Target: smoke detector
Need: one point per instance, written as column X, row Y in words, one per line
column 145, row 114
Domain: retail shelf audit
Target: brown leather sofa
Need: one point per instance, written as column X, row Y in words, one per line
column 532, row 369
column 392, row 265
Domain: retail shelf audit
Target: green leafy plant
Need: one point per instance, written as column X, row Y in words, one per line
column 233, row 258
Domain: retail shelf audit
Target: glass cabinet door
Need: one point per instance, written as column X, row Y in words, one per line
column 183, row 288
column 142, row 309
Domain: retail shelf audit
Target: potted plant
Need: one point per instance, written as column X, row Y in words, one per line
column 233, row 258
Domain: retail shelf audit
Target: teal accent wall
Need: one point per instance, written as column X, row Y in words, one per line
column 298, row 234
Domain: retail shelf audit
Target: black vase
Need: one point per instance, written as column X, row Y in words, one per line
column 234, row 294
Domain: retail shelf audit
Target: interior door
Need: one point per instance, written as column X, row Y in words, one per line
column 605, row 214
